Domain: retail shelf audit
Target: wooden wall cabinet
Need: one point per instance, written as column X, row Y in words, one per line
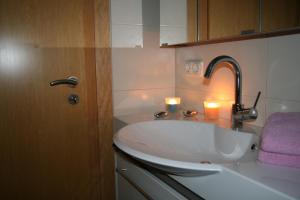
column 227, row 18
column 178, row 21
column 231, row 20
column 280, row 14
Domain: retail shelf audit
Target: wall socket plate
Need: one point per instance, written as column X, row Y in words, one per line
column 195, row 67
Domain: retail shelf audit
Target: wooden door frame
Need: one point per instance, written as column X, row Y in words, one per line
column 104, row 98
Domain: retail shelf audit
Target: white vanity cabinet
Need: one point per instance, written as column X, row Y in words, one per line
column 126, row 191
column 136, row 183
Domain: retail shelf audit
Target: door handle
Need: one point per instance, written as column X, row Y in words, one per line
column 72, row 80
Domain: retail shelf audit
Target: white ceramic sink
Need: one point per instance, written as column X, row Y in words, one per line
column 183, row 147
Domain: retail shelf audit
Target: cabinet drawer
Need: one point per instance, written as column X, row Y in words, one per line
column 145, row 181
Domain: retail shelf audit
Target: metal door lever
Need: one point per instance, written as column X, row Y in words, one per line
column 72, row 80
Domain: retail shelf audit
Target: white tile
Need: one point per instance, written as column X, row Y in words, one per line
column 130, row 102
column 253, row 61
column 284, row 67
column 126, row 12
column 127, row 36
column 142, row 68
column 173, row 35
column 276, row 105
column 173, row 12
column 151, row 12
column 151, row 37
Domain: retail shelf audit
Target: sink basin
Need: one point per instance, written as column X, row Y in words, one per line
column 183, row 147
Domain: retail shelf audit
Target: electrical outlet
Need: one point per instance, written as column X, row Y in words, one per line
column 194, row 67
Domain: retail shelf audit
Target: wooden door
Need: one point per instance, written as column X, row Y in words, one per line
column 228, row 18
column 49, row 149
column 280, row 14
column 192, row 21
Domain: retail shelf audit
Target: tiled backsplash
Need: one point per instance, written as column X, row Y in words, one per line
column 270, row 65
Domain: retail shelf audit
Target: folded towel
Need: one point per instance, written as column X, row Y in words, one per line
column 279, row 159
column 281, row 134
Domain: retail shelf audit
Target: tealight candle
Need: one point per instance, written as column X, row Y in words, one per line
column 211, row 110
column 171, row 103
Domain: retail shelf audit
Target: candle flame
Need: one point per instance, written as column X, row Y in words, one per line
column 211, row 104
column 172, row 100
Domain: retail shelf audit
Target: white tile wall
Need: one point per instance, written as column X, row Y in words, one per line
column 143, row 68
column 127, row 23
column 173, row 12
column 142, row 77
column 284, row 68
column 269, row 65
column 172, row 34
column 279, row 105
column 173, row 21
column 126, row 12
column 124, row 36
column 137, row 101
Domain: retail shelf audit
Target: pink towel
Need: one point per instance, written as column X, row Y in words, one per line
column 281, row 134
column 279, row 159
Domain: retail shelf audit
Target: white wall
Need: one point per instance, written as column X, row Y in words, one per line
column 269, row 65
column 143, row 74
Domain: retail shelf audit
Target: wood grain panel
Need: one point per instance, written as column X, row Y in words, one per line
column 104, row 97
column 102, row 24
column 280, row 14
column 105, row 122
column 203, row 20
column 228, row 18
column 192, row 20
column 46, row 23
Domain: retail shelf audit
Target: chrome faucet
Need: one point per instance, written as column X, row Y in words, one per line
column 239, row 113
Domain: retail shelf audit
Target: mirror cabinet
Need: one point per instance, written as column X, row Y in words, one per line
column 178, row 21
column 194, row 21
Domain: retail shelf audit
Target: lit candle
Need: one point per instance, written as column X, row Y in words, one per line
column 211, row 110
column 171, row 103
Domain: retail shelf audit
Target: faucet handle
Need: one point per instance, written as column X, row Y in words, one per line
column 257, row 98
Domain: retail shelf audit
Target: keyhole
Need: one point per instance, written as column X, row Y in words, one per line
column 73, row 99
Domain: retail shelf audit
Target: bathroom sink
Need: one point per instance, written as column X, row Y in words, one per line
column 183, row 147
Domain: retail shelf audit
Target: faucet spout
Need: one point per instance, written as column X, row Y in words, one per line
column 237, row 71
column 239, row 113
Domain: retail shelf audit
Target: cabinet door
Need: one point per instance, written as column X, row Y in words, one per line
column 227, row 18
column 280, row 14
column 191, row 21
column 178, row 21
column 126, row 191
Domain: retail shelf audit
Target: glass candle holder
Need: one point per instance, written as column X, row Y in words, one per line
column 211, row 109
column 172, row 103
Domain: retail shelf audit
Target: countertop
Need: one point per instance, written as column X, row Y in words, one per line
column 282, row 180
